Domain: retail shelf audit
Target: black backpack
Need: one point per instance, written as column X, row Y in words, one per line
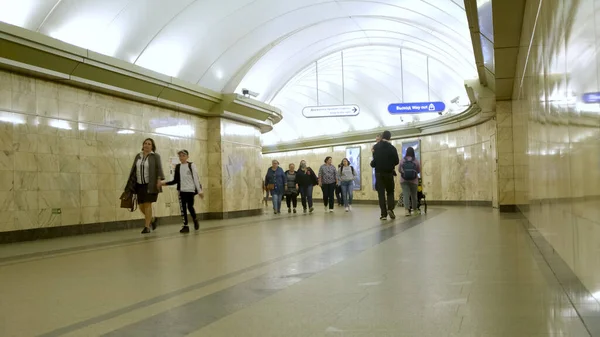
column 409, row 170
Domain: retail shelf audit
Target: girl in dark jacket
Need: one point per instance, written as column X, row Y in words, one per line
column 306, row 179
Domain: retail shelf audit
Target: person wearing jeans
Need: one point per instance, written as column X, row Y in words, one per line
column 291, row 193
column 385, row 160
column 346, row 176
column 275, row 182
column 306, row 180
column 328, row 181
column 409, row 169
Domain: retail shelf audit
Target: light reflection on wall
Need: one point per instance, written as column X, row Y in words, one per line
column 176, row 130
column 7, row 117
column 60, row 124
column 172, row 127
column 297, row 153
column 234, row 129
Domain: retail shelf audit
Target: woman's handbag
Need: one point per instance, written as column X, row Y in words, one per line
column 273, row 178
column 128, row 201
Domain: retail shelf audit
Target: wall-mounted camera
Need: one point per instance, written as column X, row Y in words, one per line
column 247, row 93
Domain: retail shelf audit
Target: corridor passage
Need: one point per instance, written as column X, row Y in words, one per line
column 455, row 271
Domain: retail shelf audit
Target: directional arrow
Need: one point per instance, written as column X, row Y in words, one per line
column 331, row 111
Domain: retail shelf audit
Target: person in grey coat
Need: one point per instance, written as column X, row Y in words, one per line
column 291, row 193
column 145, row 180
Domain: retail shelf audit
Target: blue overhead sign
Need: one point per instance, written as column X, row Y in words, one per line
column 416, row 108
column 591, row 97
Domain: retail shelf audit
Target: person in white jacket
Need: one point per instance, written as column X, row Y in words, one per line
column 188, row 184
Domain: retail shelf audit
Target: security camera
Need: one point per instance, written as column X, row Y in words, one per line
column 247, row 92
column 455, row 100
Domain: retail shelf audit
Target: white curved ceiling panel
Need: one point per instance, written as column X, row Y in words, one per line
column 247, row 37
column 143, row 22
column 184, row 37
column 87, row 23
column 25, row 13
column 267, row 76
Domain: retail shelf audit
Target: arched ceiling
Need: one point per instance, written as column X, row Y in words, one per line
column 262, row 44
column 371, row 77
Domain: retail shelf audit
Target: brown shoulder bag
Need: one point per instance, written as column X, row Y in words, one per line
column 128, row 201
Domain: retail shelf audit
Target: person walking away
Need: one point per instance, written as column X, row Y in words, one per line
column 144, row 181
column 188, row 184
column 276, row 183
column 409, row 169
column 377, row 140
column 306, row 179
column 291, row 193
column 346, row 176
column 385, row 160
column 328, row 181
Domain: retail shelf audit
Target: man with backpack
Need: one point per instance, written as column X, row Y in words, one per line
column 410, row 168
column 385, row 160
column 188, row 184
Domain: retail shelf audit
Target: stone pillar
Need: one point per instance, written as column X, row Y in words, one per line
column 215, row 174
column 234, row 169
column 505, row 150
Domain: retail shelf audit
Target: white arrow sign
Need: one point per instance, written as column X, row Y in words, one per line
column 331, row 111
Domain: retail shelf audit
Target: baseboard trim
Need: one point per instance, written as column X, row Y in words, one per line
column 563, row 200
column 101, row 227
column 508, row 209
column 362, row 202
column 475, row 203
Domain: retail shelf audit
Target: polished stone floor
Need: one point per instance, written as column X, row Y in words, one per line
column 454, row 272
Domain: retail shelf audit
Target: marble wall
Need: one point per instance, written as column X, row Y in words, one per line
column 556, row 133
column 70, row 150
column 235, row 171
column 457, row 166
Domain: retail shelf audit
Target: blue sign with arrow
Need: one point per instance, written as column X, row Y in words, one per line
column 416, row 108
column 591, row 98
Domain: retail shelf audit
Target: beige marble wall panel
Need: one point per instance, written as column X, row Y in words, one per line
column 240, row 165
column 556, row 134
column 456, row 165
column 68, row 148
